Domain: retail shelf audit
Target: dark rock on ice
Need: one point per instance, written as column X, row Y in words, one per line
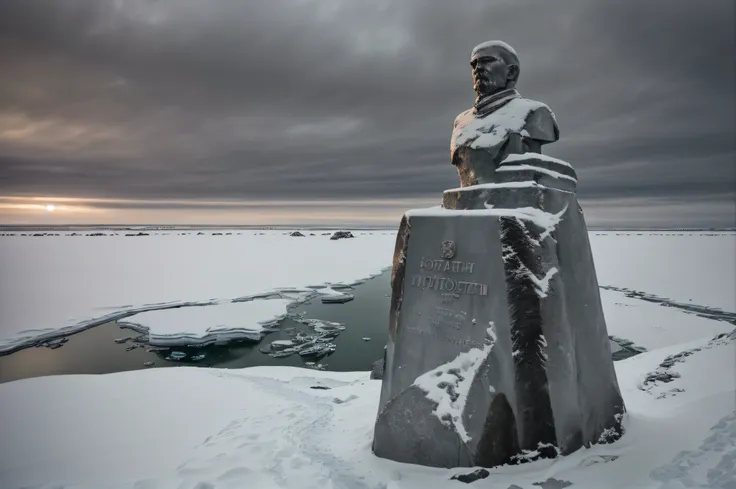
column 337, row 400
column 622, row 348
column 297, row 234
column 377, row 370
column 319, row 387
column 661, row 376
column 342, row 235
column 677, row 357
column 552, row 483
column 472, row 476
column 378, row 366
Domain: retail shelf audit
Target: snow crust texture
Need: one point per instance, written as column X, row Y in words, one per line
column 292, row 428
column 271, row 427
column 61, row 284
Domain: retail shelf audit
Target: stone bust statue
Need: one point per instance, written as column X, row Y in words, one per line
column 501, row 122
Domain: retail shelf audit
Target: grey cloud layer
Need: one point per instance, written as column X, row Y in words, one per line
column 346, row 99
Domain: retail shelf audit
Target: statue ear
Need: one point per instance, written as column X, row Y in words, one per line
column 513, row 72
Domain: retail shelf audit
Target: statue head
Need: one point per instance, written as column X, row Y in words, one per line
column 495, row 67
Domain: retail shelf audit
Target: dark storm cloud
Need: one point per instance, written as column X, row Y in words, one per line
column 308, row 99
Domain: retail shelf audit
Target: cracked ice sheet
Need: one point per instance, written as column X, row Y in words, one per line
column 218, row 322
column 653, row 326
column 264, row 427
column 681, row 266
column 55, row 284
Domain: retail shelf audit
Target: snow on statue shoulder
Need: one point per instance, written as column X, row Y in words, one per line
column 508, row 250
column 501, row 122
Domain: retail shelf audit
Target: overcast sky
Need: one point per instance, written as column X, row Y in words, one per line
column 239, row 111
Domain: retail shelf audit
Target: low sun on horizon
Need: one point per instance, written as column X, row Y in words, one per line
column 50, row 207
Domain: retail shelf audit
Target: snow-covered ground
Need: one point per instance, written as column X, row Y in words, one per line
column 682, row 266
column 267, row 427
column 66, row 283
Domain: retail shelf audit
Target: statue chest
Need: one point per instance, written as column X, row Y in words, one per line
column 479, row 144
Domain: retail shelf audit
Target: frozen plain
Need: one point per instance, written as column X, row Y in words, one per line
column 59, row 284
column 267, row 428
column 65, row 283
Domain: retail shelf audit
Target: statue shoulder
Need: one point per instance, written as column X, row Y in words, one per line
column 463, row 118
column 541, row 123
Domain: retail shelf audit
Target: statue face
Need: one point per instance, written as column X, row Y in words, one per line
column 490, row 75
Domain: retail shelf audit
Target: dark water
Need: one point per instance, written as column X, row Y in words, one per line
column 95, row 351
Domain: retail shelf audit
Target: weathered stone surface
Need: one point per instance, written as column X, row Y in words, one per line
column 422, row 438
column 498, row 350
column 378, row 367
column 377, row 370
column 473, row 476
column 524, row 269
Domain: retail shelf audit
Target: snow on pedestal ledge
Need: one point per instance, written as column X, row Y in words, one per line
column 545, row 220
column 530, row 271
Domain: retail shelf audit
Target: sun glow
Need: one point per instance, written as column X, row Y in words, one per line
column 50, row 207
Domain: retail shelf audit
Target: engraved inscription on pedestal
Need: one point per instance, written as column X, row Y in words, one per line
column 450, row 287
column 504, row 301
column 447, row 250
column 449, row 278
